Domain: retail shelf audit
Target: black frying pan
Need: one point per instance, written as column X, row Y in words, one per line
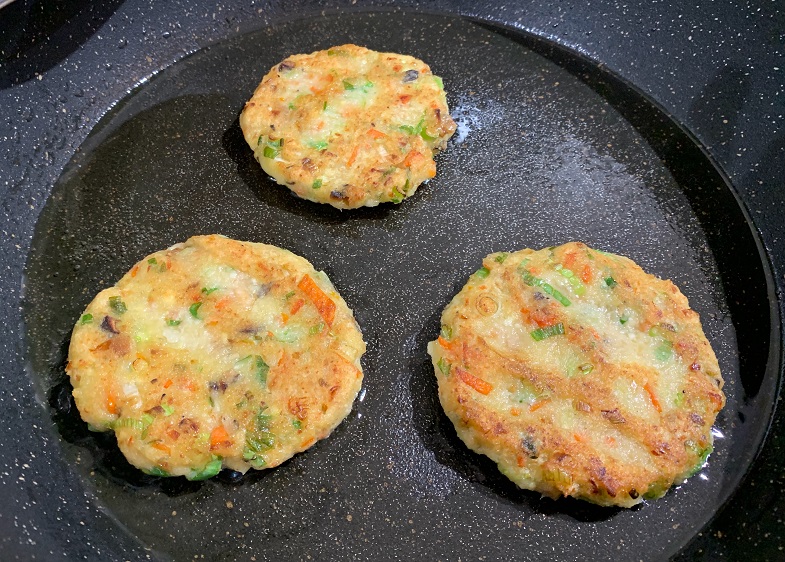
column 550, row 148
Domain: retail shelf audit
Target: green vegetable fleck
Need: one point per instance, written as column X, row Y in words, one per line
column 210, row 469
column 533, row 281
column 444, row 367
column 554, row 330
column 86, row 318
column 610, row 282
column 318, row 145
column 171, row 322
column 194, row 309
column 168, row 410
column 207, row 291
column 317, row 183
column 482, row 273
column 297, row 424
column 117, row 304
column 272, row 148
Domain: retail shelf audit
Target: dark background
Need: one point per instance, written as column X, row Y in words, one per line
column 718, row 68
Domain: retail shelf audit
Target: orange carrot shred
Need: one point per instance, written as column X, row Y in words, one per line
column 537, row 405
column 376, row 134
column 515, row 411
column 296, row 306
column 405, row 98
column 653, row 397
column 168, row 383
column 353, row 156
column 284, row 318
column 219, row 437
column 162, row 447
column 411, row 157
column 444, row 343
column 111, row 403
column 324, row 305
column 586, row 274
column 481, row 386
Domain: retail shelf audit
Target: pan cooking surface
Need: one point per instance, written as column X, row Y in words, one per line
column 545, row 153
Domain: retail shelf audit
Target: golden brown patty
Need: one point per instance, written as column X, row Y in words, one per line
column 348, row 126
column 216, row 353
column 579, row 374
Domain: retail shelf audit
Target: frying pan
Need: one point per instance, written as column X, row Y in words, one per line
column 129, row 143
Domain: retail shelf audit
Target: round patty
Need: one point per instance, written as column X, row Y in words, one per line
column 579, row 374
column 216, row 353
column 348, row 126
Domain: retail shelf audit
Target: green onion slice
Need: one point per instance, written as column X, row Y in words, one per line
column 194, row 309
column 554, row 330
column 117, row 304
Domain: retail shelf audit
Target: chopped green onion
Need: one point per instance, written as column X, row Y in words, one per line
column 291, row 106
column 317, row 183
column 482, row 273
column 575, row 283
column 152, row 261
column 663, row 351
column 297, row 424
column 116, row 304
column 541, row 333
column 444, row 367
column 194, row 309
column 439, row 82
column 623, row 319
column 501, row 257
column 533, row 281
column 610, row 282
column 262, row 368
column 168, row 410
column 316, row 329
column 446, row 332
column 207, row 291
column 348, row 85
column 288, row 295
column 211, row 469
column 396, row 196
column 679, row 400
column 273, row 148
column 324, row 107
column 86, row 318
column 318, row 145
column 170, row 322
column 156, row 471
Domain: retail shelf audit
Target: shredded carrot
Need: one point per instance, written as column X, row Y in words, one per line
column 521, row 461
column 537, row 405
column 353, row 156
column 610, row 441
column 481, row 386
column 308, row 442
column 190, row 385
column 134, row 271
column 111, row 403
column 569, row 259
column 653, row 397
column 405, row 98
column 168, row 383
column 296, row 306
column 321, row 301
column 221, row 303
column 411, row 157
column 444, row 343
column 103, row 346
column 376, row 134
column 284, row 318
column 578, row 437
column 515, row 411
column 219, row 437
column 586, row 274
column 162, row 447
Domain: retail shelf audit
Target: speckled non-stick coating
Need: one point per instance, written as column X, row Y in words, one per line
column 717, row 67
column 540, row 158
